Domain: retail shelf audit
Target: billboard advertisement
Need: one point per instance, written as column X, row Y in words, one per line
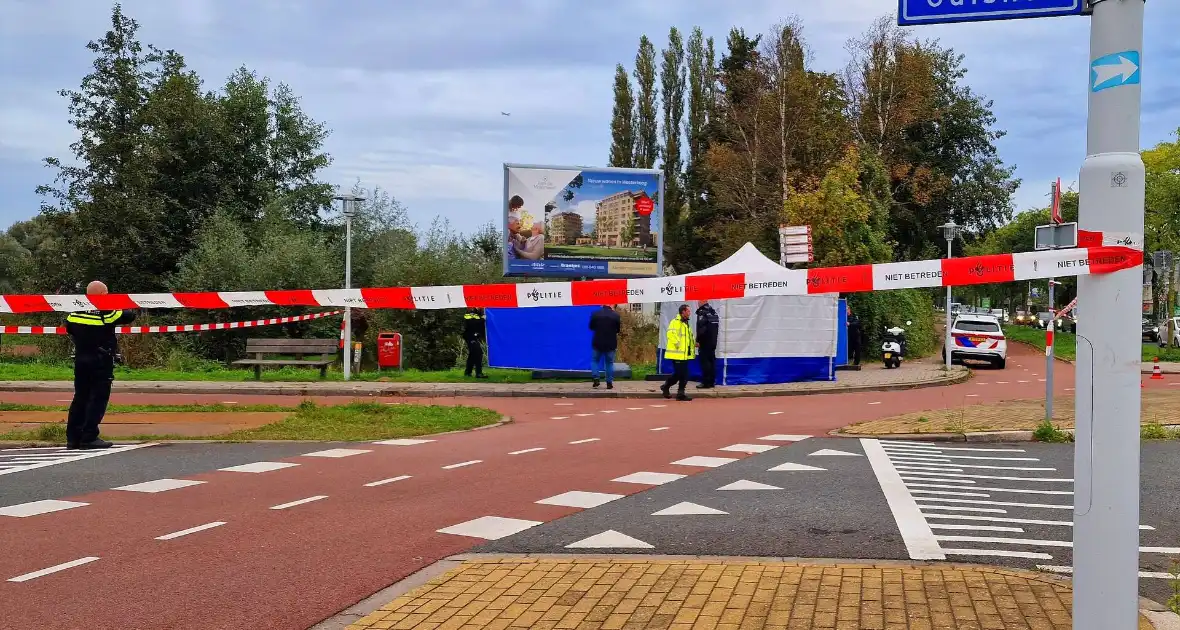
column 582, row 222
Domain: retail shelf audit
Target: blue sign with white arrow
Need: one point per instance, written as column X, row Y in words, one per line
column 914, row 12
column 1114, row 70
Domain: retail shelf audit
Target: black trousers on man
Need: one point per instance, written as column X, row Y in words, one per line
column 474, row 358
column 92, row 391
column 679, row 377
column 708, row 359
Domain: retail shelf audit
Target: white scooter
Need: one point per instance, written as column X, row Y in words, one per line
column 893, row 349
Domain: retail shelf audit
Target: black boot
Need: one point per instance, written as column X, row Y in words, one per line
column 666, row 390
column 682, row 397
column 96, row 443
column 595, row 383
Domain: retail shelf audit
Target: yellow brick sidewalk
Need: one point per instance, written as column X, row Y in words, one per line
column 1159, row 407
column 625, row 594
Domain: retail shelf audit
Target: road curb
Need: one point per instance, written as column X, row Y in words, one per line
column 136, row 387
column 1148, row 608
column 34, row 444
column 977, row 436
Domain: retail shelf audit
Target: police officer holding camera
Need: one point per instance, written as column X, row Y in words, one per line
column 96, row 351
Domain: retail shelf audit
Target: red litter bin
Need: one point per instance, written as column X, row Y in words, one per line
column 389, row 350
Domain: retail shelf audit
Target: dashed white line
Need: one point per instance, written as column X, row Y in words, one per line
column 1047, row 506
column 528, row 450
column 900, row 447
column 1025, row 521
column 1001, row 477
column 1004, row 553
column 634, row 408
column 54, row 569
column 924, row 508
column 403, row 442
column 649, row 478
column 284, row 506
column 489, row 527
column 748, row 448
column 775, row 413
column 957, row 467
column 982, row 528
column 191, row 530
column 609, row 411
column 560, row 418
column 382, row 482
column 781, row 437
column 704, row 462
column 564, row 404
column 159, row 485
column 337, row 453
column 580, row 499
column 922, row 477
column 875, row 403
column 34, row 508
column 462, row 464
column 584, row 441
column 583, row 415
column 258, row 467
column 949, row 493
column 657, row 406
column 985, row 489
column 659, row 429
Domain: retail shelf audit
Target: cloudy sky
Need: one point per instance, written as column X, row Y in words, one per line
column 413, row 89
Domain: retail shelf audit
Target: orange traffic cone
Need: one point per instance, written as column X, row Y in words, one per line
column 1156, row 373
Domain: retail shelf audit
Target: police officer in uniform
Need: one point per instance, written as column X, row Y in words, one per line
column 473, row 334
column 95, row 352
column 708, row 329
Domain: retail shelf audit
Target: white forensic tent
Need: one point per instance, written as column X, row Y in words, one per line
column 765, row 339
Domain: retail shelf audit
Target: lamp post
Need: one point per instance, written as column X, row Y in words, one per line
column 950, row 232
column 348, row 203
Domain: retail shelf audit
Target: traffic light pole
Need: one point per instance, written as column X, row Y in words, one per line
column 1106, row 456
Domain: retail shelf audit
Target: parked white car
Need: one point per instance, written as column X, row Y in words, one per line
column 978, row 338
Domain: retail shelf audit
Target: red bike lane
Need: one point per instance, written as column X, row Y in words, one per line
column 292, row 567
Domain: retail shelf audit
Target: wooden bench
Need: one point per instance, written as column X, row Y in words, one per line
column 322, row 353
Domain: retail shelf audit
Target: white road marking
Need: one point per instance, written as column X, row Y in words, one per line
column 564, row 404
column 159, row 485
column 919, row 539
column 793, row 467
column 34, row 508
column 649, row 478
column 1026, row 521
column 982, row 528
column 1005, row 553
column 560, row 418
column 957, row 467
column 336, row 453
column 528, row 450
column 191, row 530
column 1152, row 575
column 259, row 467
column 685, row 508
column 634, row 408
column 705, row 462
column 1001, row 477
column 746, row 484
column 900, row 447
column 489, row 527
column 1040, row 380
column 462, row 464
column 657, row 406
column 1171, row 551
column 585, row 441
column 659, row 429
column 63, row 456
column 609, row 411
column 775, row 413
column 284, row 506
column 1045, row 543
column 781, row 437
column 1021, row 381
column 403, row 442
column 1006, row 459
column 1070, row 389
column 583, row 415
column 579, row 499
column 1047, row 506
column 972, row 395
column 833, row 452
column 1012, row 490
column 748, row 448
column 610, row 539
column 1001, row 382
column 926, row 477
column 382, row 482
column 958, row 509
column 875, row 403
column 54, row 569
column 949, row 493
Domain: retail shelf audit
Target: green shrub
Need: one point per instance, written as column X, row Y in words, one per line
column 1046, row 432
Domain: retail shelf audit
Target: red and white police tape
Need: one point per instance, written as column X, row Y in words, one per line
column 133, row 330
column 858, row 278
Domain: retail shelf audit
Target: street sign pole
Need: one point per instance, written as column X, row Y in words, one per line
column 1106, row 454
column 1049, row 351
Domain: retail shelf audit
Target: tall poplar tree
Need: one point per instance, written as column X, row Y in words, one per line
column 647, row 140
column 622, row 125
column 672, row 79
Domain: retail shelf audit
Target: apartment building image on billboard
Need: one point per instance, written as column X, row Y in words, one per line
column 578, row 222
column 618, row 224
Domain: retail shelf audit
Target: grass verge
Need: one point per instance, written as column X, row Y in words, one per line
column 47, row 371
column 354, row 422
column 1065, row 344
column 195, row 408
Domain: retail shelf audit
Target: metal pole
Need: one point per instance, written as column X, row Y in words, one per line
column 1106, row 453
column 347, row 285
column 1049, row 350
column 947, row 342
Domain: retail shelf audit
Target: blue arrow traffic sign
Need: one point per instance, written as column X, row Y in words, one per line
column 1114, row 70
column 914, row 12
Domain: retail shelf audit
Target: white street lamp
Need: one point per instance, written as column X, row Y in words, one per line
column 950, row 232
column 348, row 205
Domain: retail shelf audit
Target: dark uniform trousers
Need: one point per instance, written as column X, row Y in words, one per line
column 708, row 361
column 474, row 358
column 93, row 376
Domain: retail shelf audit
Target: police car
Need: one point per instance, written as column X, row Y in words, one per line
column 978, row 338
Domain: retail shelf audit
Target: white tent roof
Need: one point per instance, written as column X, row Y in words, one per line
column 745, row 260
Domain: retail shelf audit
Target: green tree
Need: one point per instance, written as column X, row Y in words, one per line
column 680, row 240
column 672, row 79
column 647, row 140
column 622, row 125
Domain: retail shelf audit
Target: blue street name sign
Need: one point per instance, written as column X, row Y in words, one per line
column 914, row 12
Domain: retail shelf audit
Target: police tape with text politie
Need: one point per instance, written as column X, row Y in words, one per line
column 1104, row 257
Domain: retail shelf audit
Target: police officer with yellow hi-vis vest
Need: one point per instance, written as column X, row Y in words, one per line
column 679, row 349
column 95, row 351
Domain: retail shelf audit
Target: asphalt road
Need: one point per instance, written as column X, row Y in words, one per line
column 1005, row 504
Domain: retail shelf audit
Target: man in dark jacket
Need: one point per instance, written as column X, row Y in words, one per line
column 605, row 323
column 473, row 334
column 95, row 352
column 708, row 328
column 855, row 338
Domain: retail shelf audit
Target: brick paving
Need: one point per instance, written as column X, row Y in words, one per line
column 625, row 594
column 1159, row 407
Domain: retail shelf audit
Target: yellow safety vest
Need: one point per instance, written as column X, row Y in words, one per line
column 94, row 319
column 680, row 346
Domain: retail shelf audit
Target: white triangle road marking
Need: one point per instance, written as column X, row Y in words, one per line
column 610, row 539
column 830, row 451
column 744, row 484
column 781, row 437
column 793, row 467
column 685, row 508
